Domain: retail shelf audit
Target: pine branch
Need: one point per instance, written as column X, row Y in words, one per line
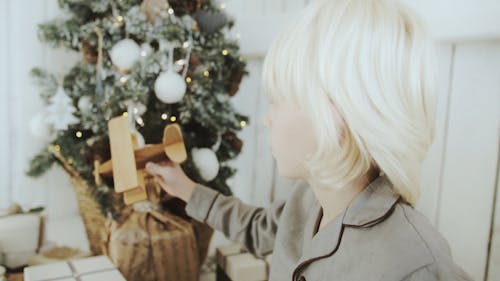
column 40, row 164
column 60, row 33
column 46, row 81
column 205, row 113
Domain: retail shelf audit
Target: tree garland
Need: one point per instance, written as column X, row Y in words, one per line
column 104, row 84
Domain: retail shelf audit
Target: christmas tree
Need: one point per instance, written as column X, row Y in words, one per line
column 155, row 61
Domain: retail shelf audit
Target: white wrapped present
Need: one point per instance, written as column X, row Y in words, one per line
column 234, row 263
column 97, row 268
column 20, row 237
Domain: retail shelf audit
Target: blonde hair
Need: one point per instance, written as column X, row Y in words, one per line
column 374, row 61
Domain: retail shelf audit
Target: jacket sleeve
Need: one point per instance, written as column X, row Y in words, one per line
column 254, row 227
column 438, row 272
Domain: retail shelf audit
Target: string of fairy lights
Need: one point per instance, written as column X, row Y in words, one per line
column 154, row 62
column 132, row 111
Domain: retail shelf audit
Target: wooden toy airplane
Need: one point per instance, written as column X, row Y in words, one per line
column 127, row 162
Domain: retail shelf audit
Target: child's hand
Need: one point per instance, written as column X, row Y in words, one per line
column 172, row 179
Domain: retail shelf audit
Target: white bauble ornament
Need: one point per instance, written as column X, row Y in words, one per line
column 206, row 161
column 146, row 49
column 125, row 53
column 85, row 104
column 170, row 87
column 41, row 128
column 139, row 109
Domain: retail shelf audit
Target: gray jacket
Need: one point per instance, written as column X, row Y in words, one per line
column 378, row 237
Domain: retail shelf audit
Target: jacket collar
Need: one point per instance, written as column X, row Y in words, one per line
column 373, row 205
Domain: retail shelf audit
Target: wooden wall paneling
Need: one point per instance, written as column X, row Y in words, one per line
column 272, row 7
column 263, row 166
column 246, row 102
column 256, row 7
column 258, row 22
column 5, row 89
column 460, row 20
column 60, row 197
column 25, row 52
column 493, row 271
column 432, row 165
column 467, row 123
column 471, row 154
column 233, row 6
column 245, row 181
column 258, row 31
column 294, row 6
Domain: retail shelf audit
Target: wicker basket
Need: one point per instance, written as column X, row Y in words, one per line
column 93, row 219
column 96, row 224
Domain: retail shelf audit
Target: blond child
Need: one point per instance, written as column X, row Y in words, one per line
column 352, row 90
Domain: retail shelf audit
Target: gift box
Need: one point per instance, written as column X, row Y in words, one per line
column 235, row 263
column 20, row 237
column 97, row 268
column 57, row 254
column 152, row 245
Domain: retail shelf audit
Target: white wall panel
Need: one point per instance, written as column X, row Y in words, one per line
column 5, row 78
column 246, row 102
column 294, row 6
column 471, row 154
column 60, row 197
column 433, row 163
column 460, row 20
column 458, row 173
column 264, row 164
column 494, row 262
column 274, row 7
column 25, row 52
